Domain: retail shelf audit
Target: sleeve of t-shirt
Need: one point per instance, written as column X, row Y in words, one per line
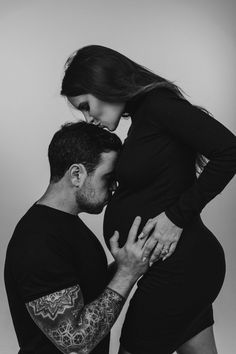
column 44, row 267
column 205, row 135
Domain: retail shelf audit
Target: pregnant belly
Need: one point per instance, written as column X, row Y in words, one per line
column 122, row 210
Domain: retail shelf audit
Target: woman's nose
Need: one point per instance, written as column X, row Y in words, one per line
column 87, row 117
column 94, row 121
column 90, row 119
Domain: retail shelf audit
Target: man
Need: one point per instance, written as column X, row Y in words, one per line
column 56, row 274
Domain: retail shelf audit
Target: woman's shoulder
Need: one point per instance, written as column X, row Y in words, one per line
column 158, row 94
column 166, row 100
column 159, row 99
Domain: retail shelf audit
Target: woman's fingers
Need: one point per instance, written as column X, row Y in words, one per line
column 171, row 250
column 134, row 230
column 160, row 251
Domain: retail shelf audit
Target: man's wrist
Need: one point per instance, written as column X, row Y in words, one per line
column 122, row 282
column 125, row 274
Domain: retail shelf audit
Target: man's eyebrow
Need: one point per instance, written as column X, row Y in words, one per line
column 111, row 173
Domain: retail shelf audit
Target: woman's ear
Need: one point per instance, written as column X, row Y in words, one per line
column 78, row 175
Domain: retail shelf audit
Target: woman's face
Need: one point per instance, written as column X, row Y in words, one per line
column 98, row 112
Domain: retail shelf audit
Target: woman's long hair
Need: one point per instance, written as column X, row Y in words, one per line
column 112, row 77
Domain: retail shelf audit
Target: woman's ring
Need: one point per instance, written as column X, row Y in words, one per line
column 141, row 236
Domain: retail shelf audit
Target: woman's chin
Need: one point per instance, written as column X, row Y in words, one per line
column 114, row 126
column 111, row 128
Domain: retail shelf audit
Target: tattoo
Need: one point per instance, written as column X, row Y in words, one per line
column 56, row 303
column 69, row 324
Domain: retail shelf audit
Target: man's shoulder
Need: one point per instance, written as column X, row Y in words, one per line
column 42, row 228
column 39, row 257
column 33, row 232
column 39, row 239
column 29, row 224
column 40, row 220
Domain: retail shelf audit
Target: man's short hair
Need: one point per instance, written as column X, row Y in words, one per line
column 79, row 142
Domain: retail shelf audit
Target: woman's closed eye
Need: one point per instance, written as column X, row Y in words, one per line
column 83, row 106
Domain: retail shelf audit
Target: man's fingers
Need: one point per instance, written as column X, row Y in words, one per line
column 114, row 243
column 134, row 230
column 149, row 246
column 156, row 253
column 148, row 227
column 142, row 238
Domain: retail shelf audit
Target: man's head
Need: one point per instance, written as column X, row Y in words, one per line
column 82, row 158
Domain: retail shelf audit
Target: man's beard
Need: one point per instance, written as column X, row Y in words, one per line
column 86, row 203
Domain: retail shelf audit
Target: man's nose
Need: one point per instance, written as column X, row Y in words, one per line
column 113, row 186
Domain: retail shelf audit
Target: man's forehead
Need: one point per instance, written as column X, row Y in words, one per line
column 107, row 161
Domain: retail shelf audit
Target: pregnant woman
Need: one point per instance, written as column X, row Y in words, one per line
column 175, row 159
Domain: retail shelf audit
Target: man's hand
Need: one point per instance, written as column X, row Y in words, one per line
column 130, row 259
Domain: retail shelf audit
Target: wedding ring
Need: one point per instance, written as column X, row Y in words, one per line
column 141, row 236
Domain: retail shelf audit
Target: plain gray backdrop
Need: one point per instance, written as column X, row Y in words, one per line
column 187, row 41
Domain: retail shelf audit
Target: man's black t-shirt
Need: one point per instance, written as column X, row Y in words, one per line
column 51, row 250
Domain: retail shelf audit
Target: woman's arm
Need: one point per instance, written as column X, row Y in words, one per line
column 205, row 135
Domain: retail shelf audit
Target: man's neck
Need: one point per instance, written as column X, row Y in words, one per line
column 59, row 198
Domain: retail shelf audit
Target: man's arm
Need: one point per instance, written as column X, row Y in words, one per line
column 77, row 328
column 112, row 268
column 70, row 325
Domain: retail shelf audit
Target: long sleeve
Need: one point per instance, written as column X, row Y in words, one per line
column 205, row 135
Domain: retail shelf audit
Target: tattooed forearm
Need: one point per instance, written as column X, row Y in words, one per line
column 56, row 304
column 98, row 317
column 70, row 325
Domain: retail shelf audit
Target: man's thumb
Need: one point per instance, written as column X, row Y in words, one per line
column 114, row 243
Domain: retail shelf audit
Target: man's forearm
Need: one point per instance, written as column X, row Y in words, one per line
column 112, row 269
column 73, row 327
column 97, row 318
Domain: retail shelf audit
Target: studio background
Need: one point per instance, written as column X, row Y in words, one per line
column 187, row 41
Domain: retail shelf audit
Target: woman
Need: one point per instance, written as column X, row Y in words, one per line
column 159, row 179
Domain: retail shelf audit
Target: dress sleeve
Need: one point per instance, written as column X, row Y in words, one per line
column 205, row 135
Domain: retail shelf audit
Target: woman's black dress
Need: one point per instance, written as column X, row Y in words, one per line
column 156, row 173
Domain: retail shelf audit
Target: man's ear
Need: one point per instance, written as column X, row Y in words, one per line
column 78, row 174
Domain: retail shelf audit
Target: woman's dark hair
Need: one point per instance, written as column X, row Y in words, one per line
column 112, row 77
column 79, row 142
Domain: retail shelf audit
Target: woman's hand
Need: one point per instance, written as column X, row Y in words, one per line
column 165, row 236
